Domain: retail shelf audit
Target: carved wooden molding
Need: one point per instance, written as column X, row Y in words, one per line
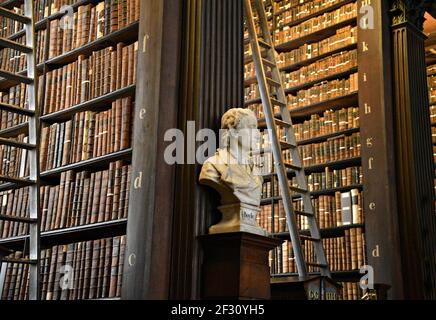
column 409, row 11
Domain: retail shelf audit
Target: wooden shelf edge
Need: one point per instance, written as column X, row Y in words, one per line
column 86, row 164
column 82, row 233
column 90, row 105
column 294, row 90
column 327, row 136
column 297, row 65
column 326, row 233
column 126, row 35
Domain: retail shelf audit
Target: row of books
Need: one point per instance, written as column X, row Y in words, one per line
column 318, row 181
column 88, row 135
column 15, row 61
column 14, row 161
column 351, row 291
column 320, row 92
column 324, row 91
column 433, row 114
column 331, row 121
column 343, row 253
column 332, row 65
column 282, row 5
column 80, row 198
column 291, row 14
column 91, row 22
column 87, row 78
column 432, row 88
column 343, row 37
column 315, row 24
column 335, row 149
column 10, row 26
column 16, row 96
column 342, row 209
column 78, row 271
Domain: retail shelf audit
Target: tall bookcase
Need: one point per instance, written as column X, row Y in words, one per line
column 87, row 83
column 321, row 51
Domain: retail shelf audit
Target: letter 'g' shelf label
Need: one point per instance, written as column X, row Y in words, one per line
column 142, row 113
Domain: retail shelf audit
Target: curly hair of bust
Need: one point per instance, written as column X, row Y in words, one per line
column 231, row 123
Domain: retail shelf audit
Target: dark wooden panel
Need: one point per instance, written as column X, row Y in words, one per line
column 146, row 267
column 413, row 153
column 212, row 81
column 378, row 160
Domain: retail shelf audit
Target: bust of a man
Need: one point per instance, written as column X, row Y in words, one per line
column 232, row 173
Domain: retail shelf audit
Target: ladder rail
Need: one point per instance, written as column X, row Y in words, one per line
column 277, row 154
column 33, row 156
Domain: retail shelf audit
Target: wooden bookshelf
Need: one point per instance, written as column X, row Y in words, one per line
column 314, row 14
column 315, row 36
column 51, row 178
column 97, row 104
column 304, row 63
column 334, row 76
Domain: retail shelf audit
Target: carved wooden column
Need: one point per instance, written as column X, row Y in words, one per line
column 378, row 156
column 413, row 151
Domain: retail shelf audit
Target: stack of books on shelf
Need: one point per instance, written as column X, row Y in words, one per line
column 86, row 93
column 331, row 211
column 84, row 270
column 345, row 252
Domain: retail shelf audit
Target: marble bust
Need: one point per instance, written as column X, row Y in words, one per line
column 232, row 174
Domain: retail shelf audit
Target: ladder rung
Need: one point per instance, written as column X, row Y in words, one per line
column 15, row 109
column 20, row 261
column 273, row 83
column 292, row 166
column 17, row 144
column 5, row 217
column 264, row 44
column 15, row 77
column 268, row 63
column 17, row 181
column 303, row 213
column 319, row 265
column 298, row 190
column 15, row 16
column 286, row 145
column 282, row 123
column 278, row 103
column 6, row 43
column 308, row 238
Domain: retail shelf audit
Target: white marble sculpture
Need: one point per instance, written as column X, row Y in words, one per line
column 231, row 172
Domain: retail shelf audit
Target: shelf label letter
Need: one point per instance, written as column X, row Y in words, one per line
column 365, row 46
column 372, row 206
column 142, row 113
column 367, row 109
column 370, row 163
column 144, row 48
column 138, row 181
column 132, row 259
column 376, row 252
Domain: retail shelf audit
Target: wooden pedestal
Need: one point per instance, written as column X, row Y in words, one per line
column 235, row 266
